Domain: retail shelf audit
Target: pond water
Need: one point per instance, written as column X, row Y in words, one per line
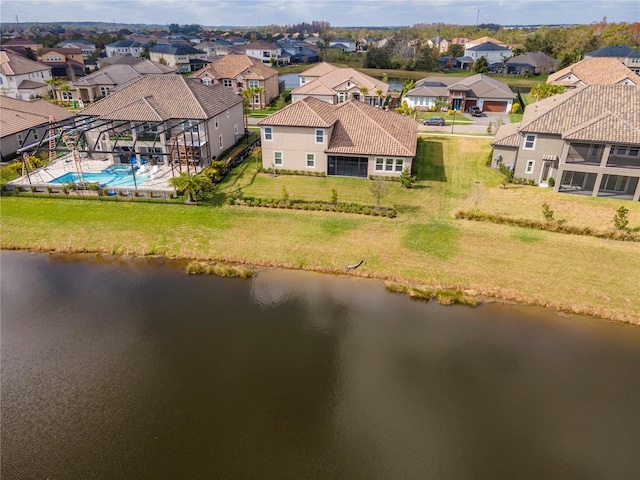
column 125, row 368
column 292, row 80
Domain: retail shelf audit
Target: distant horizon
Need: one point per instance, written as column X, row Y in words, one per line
column 373, row 14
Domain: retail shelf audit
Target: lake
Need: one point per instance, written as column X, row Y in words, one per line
column 292, row 80
column 129, row 368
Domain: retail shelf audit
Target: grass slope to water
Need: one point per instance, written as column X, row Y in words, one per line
column 424, row 245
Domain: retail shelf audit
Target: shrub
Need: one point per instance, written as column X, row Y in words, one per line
column 551, row 182
column 620, row 220
column 547, row 213
column 516, row 108
column 532, row 181
column 406, row 179
column 333, row 199
column 284, row 195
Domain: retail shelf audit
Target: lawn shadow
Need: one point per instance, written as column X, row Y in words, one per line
column 431, row 162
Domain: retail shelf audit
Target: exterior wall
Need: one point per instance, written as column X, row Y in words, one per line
column 264, row 55
column 543, row 145
column 227, row 122
column 271, row 88
column 133, row 51
column 504, row 156
column 169, row 60
column 325, row 98
column 396, row 168
column 507, row 103
column 423, row 103
column 491, row 55
column 9, row 84
column 295, row 143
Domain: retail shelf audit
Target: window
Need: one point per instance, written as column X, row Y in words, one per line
column 268, row 133
column 311, row 160
column 206, row 81
column 184, row 68
column 277, row 158
column 66, row 96
column 379, row 164
column 235, row 129
column 220, row 141
column 215, row 122
column 256, row 100
column 319, row 136
column 35, row 134
column 622, row 151
column 228, row 114
column 399, row 164
column 104, row 91
column 20, row 139
column 388, row 165
column 302, row 80
column 615, row 183
column 530, row 164
column 254, row 83
column 529, row 142
column 227, row 82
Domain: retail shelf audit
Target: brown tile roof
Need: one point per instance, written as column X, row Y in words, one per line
column 61, row 50
column 12, row 64
column 318, row 70
column 507, row 136
column 18, row 115
column 164, row 97
column 337, row 79
column 308, row 112
column 599, row 113
column 117, row 74
column 230, row 66
column 594, row 70
column 359, row 128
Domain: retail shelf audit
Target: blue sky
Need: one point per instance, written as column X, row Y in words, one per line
column 337, row 12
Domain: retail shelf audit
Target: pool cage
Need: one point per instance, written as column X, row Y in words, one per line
column 179, row 144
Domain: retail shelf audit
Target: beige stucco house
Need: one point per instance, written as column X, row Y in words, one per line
column 587, row 140
column 336, row 85
column 348, row 139
column 594, row 70
column 239, row 72
column 23, row 78
column 164, row 119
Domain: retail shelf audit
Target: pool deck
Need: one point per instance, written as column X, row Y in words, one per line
column 159, row 181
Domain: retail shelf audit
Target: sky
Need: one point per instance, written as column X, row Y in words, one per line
column 339, row 13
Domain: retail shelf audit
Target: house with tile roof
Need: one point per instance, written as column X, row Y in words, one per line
column 184, row 58
column 24, row 122
column 101, row 83
column 594, row 70
column 479, row 90
column 336, row 85
column 165, row 119
column 239, row 72
column 587, row 140
column 23, row 78
column 22, row 44
column 64, row 62
column 622, row 53
column 348, row 139
column 87, row 48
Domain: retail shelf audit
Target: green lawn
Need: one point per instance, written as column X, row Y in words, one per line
column 424, row 244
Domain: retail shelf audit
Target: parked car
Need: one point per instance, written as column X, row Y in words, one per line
column 434, row 121
column 475, row 111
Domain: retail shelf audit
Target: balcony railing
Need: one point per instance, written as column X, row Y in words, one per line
column 576, row 158
column 617, row 161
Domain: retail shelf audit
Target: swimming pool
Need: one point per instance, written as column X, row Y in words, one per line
column 107, row 178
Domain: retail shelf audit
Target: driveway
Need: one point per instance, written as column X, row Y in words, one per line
column 479, row 126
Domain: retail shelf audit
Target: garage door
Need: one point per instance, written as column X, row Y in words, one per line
column 500, row 107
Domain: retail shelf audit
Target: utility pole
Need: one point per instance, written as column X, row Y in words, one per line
column 18, row 22
column 477, row 17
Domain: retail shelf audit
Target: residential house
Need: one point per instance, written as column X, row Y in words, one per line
column 184, row 58
column 479, row 41
column 301, row 52
column 587, row 140
column 267, row 53
column 622, row 53
column 108, row 79
column 118, row 60
column 441, row 43
column 594, row 70
column 25, row 122
column 460, row 41
column 20, row 45
column 492, row 52
column 239, row 72
column 64, row 62
column 345, row 44
column 479, row 90
column 124, row 47
column 336, row 85
column 531, row 63
column 349, row 139
column 23, row 78
column 165, row 119
column 87, row 48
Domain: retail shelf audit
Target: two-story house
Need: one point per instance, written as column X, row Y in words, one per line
column 587, row 140
column 23, row 78
column 87, row 48
column 64, row 62
column 345, row 44
column 184, row 58
column 624, row 54
column 165, row 119
column 349, row 139
column 492, row 52
column 336, row 85
column 441, row 43
column 598, row 70
column 124, row 47
column 266, row 53
column 239, row 72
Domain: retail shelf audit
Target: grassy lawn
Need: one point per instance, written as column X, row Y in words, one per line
column 424, row 244
column 460, row 119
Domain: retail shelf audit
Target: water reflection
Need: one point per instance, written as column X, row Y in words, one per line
column 119, row 368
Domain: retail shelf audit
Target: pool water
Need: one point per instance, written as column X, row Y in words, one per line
column 110, row 177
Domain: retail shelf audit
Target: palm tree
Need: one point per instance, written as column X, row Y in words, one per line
column 258, row 91
column 190, row 183
column 364, row 91
column 52, row 83
column 380, row 95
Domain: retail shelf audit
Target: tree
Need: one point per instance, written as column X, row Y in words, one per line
column 258, row 91
column 545, row 90
column 378, row 58
column 406, row 179
column 455, row 50
column 380, row 95
column 427, row 60
column 481, row 65
column 379, row 188
column 364, row 91
column 190, row 183
column 28, row 53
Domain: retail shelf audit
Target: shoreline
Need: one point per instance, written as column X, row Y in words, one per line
column 498, row 296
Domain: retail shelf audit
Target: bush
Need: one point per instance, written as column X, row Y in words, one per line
column 406, row 179
column 516, row 108
column 620, row 220
column 547, row 213
column 333, row 199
